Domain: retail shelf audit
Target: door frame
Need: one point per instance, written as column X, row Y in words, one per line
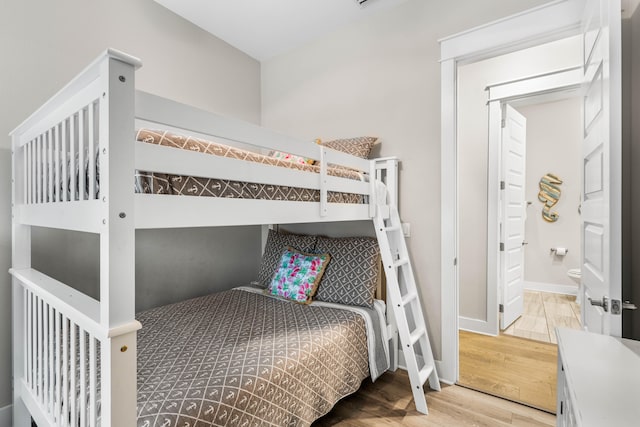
column 544, row 87
column 553, row 21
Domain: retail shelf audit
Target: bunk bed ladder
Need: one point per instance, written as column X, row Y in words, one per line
column 407, row 310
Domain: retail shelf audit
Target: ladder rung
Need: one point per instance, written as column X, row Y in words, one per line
column 401, row 261
column 393, row 228
column 425, row 373
column 415, row 335
column 408, row 298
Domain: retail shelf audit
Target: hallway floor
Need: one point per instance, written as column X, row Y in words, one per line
column 542, row 313
column 514, row 368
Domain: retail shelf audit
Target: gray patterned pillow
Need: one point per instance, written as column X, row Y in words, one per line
column 276, row 243
column 352, row 275
column 360, row 147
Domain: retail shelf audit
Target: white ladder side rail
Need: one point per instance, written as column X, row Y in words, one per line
column 411, row 325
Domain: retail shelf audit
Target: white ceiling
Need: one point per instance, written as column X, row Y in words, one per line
column 266, row 28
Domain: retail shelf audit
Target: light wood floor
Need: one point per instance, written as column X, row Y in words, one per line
column 515, row 368
column 542, row 313
column 388, row 402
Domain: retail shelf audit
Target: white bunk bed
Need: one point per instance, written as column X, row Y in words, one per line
column 92, row 121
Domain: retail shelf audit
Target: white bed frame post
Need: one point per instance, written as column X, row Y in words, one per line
column 21, row 258
column 117, row 242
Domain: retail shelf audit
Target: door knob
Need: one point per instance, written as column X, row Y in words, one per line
column 604, row 303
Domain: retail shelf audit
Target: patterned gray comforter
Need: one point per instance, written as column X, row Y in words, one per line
column 241, row 358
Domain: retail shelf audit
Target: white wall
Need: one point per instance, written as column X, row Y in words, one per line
column 473, row 155
column 554, row 145
column 44, row 44
column 381, row 76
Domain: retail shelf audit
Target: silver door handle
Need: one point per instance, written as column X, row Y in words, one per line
column 604, row 303
column 629, row 306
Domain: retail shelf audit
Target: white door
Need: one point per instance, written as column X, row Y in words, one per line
column 514, row 150
column 601, row 189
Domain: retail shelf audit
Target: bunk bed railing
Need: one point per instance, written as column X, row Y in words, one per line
column 155, row 112
column 61, row 347
column 65, row 344
column 173, row 115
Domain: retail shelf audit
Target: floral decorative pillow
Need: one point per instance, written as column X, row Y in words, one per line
column 273, row 251
column 291, row 158
column 298, row 275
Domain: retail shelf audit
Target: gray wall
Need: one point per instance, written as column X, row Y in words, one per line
column 554, row 145
column 631, row 160
column 380, row 76
column 44, row 44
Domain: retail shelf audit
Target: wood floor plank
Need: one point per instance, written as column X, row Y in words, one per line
column 389, row 402
column 542, row 313
column 526, row 373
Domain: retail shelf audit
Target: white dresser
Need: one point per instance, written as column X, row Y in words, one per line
column 598, row 380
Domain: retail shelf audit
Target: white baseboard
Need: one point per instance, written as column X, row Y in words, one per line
column 552, row 288
column 475, row 325
column 6, row 416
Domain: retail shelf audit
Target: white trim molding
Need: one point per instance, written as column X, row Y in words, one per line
column 553, row 21
column 477, row 326
column 553, row 288
column 6, row 418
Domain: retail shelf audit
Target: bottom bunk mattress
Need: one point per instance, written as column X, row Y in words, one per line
column 243, row 358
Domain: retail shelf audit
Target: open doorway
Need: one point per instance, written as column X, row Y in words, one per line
column 543, row 75
column 551, row 243
column 523, row 148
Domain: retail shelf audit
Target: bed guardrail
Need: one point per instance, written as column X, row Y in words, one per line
column 61, row 350
column 75, row 357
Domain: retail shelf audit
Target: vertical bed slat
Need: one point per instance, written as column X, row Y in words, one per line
column 25, row 320
column 57, row 189
column 38, row 169
column 73, row 350
column 33, row 327
column 25, row 173
column 65, row 177
column 27, row 365
column 58, row 366
column 28, row 171
column 45, row 170
column 92, row 154
column 81, row 152
column 65, row 373
column 45, row 360
column 51, row 365
column 82, row 342
column 72, row 164
column 43, row 167
column 92, row 381
column 32, row 168
column 50, row 164
column 39, row 359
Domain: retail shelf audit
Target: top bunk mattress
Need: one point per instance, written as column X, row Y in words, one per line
column 162, row 183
